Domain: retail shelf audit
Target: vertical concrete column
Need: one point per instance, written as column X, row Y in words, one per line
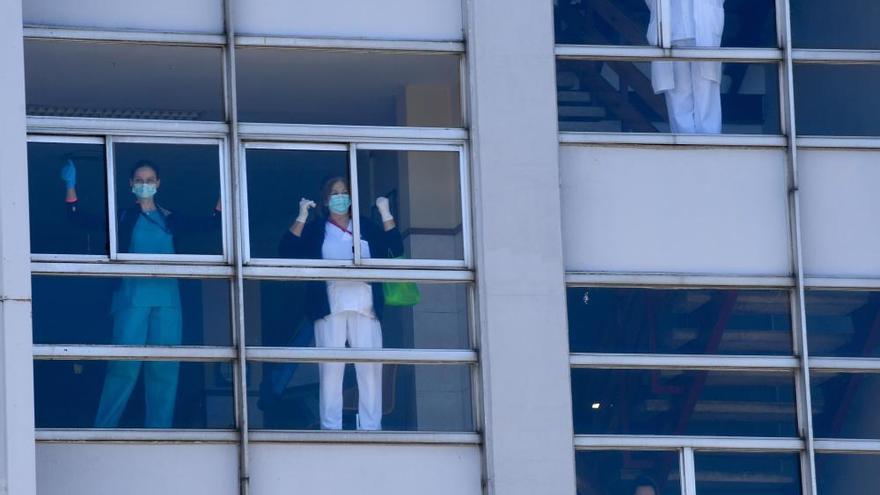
column 16, row 361
column 518, row 247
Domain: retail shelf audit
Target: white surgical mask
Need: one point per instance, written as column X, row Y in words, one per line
column 144, row 191
column 339, row 203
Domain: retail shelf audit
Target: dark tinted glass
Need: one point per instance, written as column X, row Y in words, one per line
column 845, row 405
column 669, row 402
column 276, row 316
column 411, row 397
column 53, row 230
column 348, row 88
column 701, row 321
column 130, row 311
column 133, row 394
column 424, row 193
column 846, row 474
column 131, row 81
column 755, row 474
column 837, row 100
column 846, row 24
column 613, row 472
column 276, row 180
column 842, row 323
column 187, row 220
column 617, row 96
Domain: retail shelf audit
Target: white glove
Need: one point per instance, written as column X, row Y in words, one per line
column 304, row 206
column 384, row 208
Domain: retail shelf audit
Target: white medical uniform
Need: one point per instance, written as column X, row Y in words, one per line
column 692, row 89
column 351, row 319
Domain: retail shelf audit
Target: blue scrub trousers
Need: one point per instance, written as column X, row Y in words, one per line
column 157, row 325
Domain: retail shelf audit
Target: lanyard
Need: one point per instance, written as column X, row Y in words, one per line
column 341, row 228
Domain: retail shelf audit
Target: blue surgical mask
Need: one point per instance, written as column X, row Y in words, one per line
column 339, row 203
column 144, row 191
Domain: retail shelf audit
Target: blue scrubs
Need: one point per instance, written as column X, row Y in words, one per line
column 146, row 311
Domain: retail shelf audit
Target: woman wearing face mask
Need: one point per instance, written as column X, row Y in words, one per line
column 344, row 310
column 146, row 311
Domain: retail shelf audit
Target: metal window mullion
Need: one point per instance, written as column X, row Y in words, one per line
column 366, row 437
column 703, row 443
column 134, row 436
column 367, row 274
column 350, row 355
column 111, row 197
column 51, row 352
column 839, row 142
column 88, row 126
column 673, row 281
column 836, row 56
column 609, row 139
column 405, row 46
column 688, row 472
column 318, row 133
column 104, row 268
column 773, row 364
column 354, row 192
column 647, row 53
column 847, row 446
column 845, row 365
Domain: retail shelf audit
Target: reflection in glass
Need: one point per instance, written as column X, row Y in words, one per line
column 50, row 230
column 411, row 398
column 424, row 189
column 845, row 404
column 846, row 474
column 168, row 199
column 702, row 321
column 764, row 474
column 850, row 24
column 843, row 323
column 617, row 96
column 837, row 100
column 627, row 473
column 107, row 394
column 276, row 180
column 348, row 88
column 129, row 311
column 672, row 402
column 275, row 316
column 131, row 81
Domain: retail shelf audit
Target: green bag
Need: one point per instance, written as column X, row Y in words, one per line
column 401, row 293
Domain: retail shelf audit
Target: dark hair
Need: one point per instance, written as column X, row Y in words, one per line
column 645, row 481
column 142, row 164
column 327, row 187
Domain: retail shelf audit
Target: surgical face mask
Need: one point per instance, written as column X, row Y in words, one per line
column 339, row 203
column 144, row 191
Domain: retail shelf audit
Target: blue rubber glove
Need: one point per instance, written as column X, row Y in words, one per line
column 68, row 174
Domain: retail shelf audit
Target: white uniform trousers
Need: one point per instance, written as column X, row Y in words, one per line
column 361, row 331
column 694, row 104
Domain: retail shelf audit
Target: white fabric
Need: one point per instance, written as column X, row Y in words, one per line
column 361, row 332
column 694, row 104
column 346, row 295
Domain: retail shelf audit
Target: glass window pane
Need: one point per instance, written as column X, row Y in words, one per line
column 130, row 311
column 424, row 193
column 755, row 474
column 348, row 88
column 837, row 100
column 672, row 402
column 627, row 473
column 168, row 198
column 386, row 397
column 744, row 23
column 133, row 394
column 843, row 323
column 845, row 404
column 132, row 81
column 704, row 321
column 617, row 96
column 846, row 474
column 272, row 210
column 850, row 24
column 283, row 314
column 53, row 229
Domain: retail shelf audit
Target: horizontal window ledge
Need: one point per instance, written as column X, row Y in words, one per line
column 335, row 133
column 653, row 442
column 364, row 437
column 835, row 56
column 348, row 355
column 593, row 52
column 94, row 435
column 376, row 263
column 133, row 353
column 670, row 280
column 683, row 362
column 662, row 139
column 841, row 283
column 447, row 46
column 845, row 446
column 844, row 364
column 121, row 127
column 132, row 269
column 869, row 143
column 62, row 33
column 373, row 274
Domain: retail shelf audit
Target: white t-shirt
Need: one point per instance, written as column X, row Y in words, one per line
column 346, row 295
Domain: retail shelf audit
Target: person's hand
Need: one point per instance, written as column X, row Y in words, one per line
column 68, row 174
column 384, row 208
column 304, row 206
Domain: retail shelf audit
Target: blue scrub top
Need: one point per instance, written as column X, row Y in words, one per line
column 150, row 236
